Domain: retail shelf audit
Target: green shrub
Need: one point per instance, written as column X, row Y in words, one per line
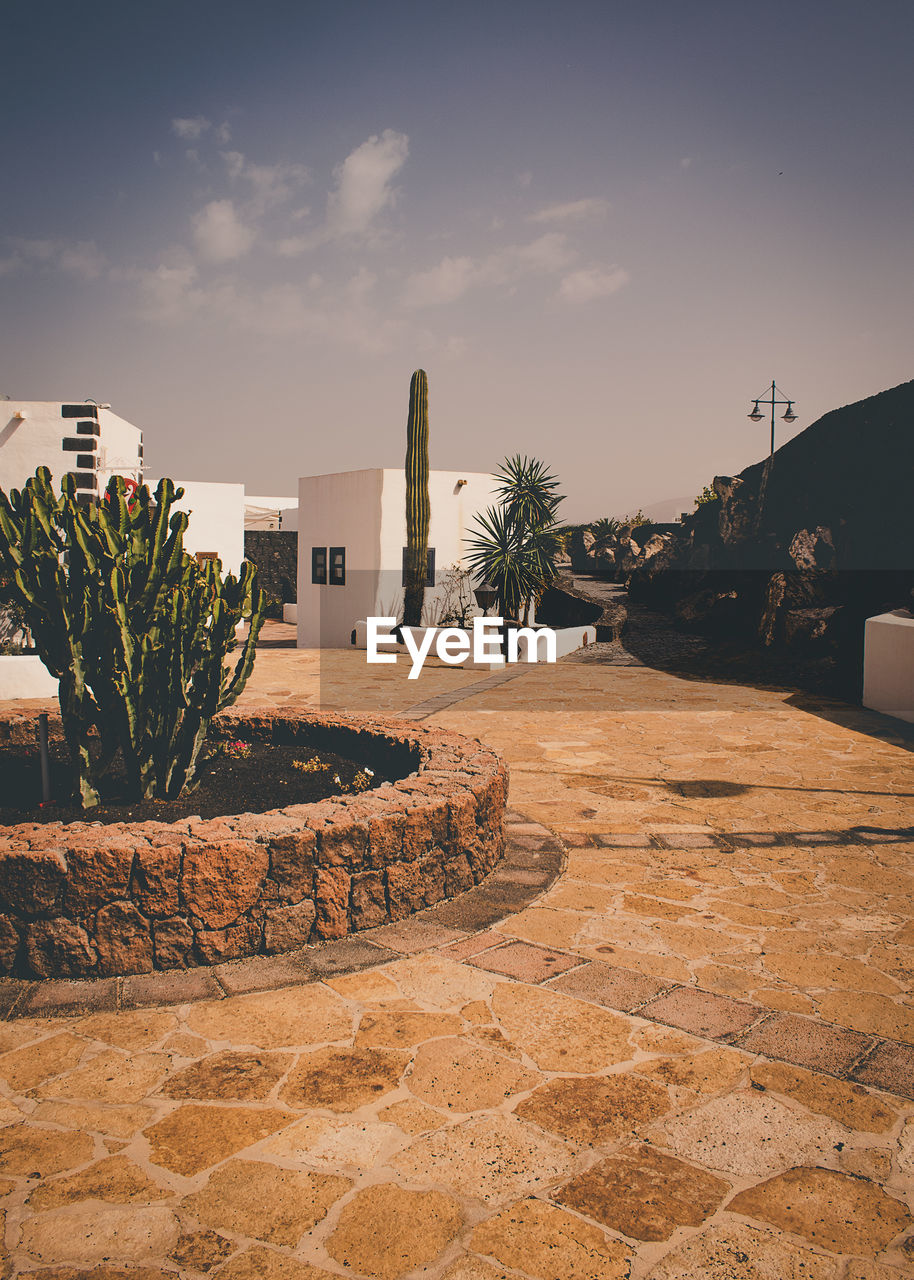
column 136, row 631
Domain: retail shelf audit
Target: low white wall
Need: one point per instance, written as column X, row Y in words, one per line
column 24, row 675
column 888, row 664
column 290, row 613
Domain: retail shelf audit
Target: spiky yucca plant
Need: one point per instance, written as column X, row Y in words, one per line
column 418, row 509
column 134, row 629
column 515, row 544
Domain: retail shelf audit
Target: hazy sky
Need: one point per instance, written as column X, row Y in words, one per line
column 600, row 227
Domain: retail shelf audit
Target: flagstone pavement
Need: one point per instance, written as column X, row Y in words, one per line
column 682, row 1050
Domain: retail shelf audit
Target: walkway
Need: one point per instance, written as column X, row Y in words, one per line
column 689, row 1059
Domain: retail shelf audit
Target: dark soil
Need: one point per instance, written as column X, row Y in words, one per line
column 265, row 778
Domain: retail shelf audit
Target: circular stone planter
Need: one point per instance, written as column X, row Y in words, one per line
column 84, row 900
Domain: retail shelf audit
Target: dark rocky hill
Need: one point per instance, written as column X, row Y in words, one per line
column 796, row 551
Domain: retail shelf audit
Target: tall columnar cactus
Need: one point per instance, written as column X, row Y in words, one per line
column 134, row 629
column 417, row 503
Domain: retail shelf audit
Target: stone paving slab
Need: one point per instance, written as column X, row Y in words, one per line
column 611, row 986
column 888, row 1066
column 806, row 1043
column 523, row 961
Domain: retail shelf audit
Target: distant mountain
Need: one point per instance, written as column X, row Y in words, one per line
column 669, row 510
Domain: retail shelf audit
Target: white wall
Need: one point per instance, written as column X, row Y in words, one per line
column 35, row 439
column 120, row 448
column 340, row 510
column 453, row 506
column 888, row 664
column 365, row 511
column 216, row 522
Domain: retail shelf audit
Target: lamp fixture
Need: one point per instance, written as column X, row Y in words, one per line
column 772, row 399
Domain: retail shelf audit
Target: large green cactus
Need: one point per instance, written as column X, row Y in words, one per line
column 133, row 628
column 417, row 503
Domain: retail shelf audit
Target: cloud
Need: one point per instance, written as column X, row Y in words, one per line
column 190, row 129
column 592, row 282
column 453, row 277
column 363, row 183
column 219, row 234
column 81, row 258
column 168, row 292
column 271, row 184
column 591, row 208
column 446, row 282
column 548, row 253
column 292, row 246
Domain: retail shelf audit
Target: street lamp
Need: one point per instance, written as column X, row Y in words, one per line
column 756, row 415
column 486, row 595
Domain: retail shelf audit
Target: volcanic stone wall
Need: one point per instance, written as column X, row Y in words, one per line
column 275, row 553
column 79, row 899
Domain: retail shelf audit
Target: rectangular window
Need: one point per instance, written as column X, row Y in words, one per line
column 319, row 565
column 430, row 567
column 78, row 411
column 88, row 429
column 337, row 566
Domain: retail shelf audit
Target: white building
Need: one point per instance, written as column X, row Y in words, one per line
column 352, row 541
column 85, row 440
column 215, row 528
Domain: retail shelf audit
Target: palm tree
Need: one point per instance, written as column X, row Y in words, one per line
column 528, row 491
column 516, row 543
column 605, row 527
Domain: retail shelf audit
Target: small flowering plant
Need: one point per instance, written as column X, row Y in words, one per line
column 237, row 750
column 313, row 765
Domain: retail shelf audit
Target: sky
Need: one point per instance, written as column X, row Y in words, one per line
column 601, row 228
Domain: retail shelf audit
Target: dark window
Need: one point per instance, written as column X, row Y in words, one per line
column 88, row 461
column 430, row 567
column 79, row 411
column 78, row 444
column 88, row 429
column 83, row 479
column 337, row 566
column 319, row 565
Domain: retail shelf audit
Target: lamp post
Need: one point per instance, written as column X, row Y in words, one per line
column 756, row 415
column 486, row 595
